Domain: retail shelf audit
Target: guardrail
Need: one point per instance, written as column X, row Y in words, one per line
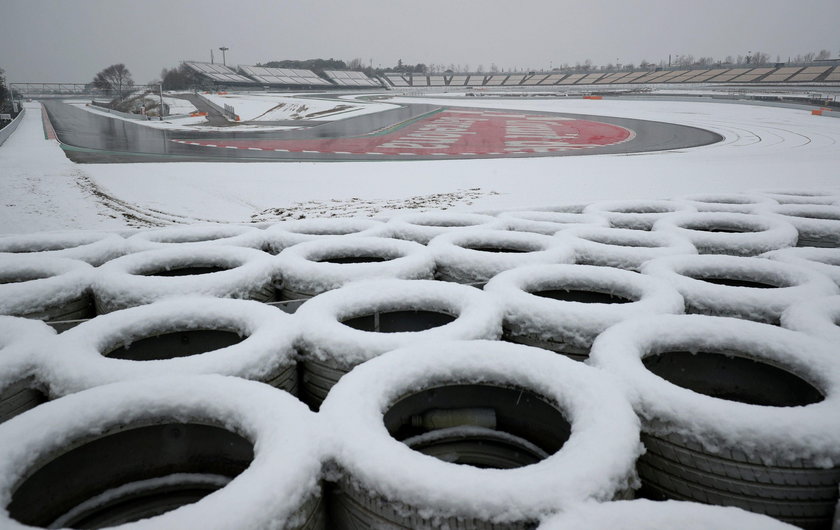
column 7, row 131
column 221, row 110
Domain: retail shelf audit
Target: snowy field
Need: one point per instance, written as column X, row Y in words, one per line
column 275, row 107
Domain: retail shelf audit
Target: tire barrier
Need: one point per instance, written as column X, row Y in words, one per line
column 636, row 214
column 227, row 453
column 328, row 263
column 803, row 196
column 94, row 248
column 475, row 255
column 563, row 308
column 472, row 423
column 747, row 288
column 423, row 227
column 752, row 203
column 817, row 318
column 664, row 515
column 719, row 399
column 45, row 288
column 206, row 270
column 21, row 388
column 233, row 235
column 818, row 226
column 823, row 260
column 286, row 234
column 348, row 326
column 735, row 234
column 622, row 248
column 188, row 336
column 547, row 223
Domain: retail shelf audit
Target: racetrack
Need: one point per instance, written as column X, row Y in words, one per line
column 419, row 131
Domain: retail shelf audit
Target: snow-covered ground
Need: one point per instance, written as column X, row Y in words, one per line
column 275, row 107
column 764, row 148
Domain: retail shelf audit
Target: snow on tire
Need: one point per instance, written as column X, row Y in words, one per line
column 355, row 323
column 45, row 288
column 547, row 223
column 537, row 433
column 187, row 336
column 802, row 196
column 620, row 247
column 227, row 453
column 289, row 233
column 563, row 308
column 731, row 202
column 823, row 260
column 748, row 288
column 423, row 227
column 818, row 317
column 207, row 270
column 818, row 226
column 91, row 247
column 476, row 255
column 733, row 412
column 665, row 515
column 328, row 263
column 234, row 235
column 736, row 234
column 637, row 214
column 21, row 385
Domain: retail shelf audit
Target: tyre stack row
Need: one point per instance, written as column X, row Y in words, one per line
column 421, row 413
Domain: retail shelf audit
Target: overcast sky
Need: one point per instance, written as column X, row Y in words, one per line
column 71, row 40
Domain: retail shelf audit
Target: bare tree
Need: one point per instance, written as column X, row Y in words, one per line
column 115, row 78
column 355, row 64
column 824, row 54
column 761, row 58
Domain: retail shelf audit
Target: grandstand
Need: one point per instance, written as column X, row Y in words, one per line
column 283, row 76
column 350, row 79
column 218, row 74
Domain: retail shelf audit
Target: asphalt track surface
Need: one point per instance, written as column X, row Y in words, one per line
column 408, row 132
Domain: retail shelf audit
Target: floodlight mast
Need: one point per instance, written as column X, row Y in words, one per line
column 224, row 49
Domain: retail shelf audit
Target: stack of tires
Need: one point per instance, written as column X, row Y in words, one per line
column 622, row 364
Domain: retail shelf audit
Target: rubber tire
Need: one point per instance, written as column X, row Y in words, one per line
column 679, row 469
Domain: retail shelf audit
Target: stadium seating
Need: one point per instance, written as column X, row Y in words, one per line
column 283, row 76
column 810, row 73
column 349, row 78
column 218, row 73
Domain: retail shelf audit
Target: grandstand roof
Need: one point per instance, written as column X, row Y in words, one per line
column 283, row 76
column 218, row 72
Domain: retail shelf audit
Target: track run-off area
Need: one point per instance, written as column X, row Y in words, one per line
column 758, row 148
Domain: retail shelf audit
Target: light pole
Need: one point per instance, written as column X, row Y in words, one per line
column 224, row 49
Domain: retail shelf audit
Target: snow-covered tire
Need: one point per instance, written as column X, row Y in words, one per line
column 731, row 202
column 288, row 233
column 200, row 270
column 423, row 227
column 44, row 288
column 556, row 431
column 548, row 223
column 733, row 412
column 179, row 336
column 802, row 196
column 328, row 263
column 667, row 515
column 126, row 452
column 748, row 288
column 637, row 214
column 91, row 247
column 563, row 308
column 622, row 248
column 736, row 234
column 21, row 385
column 818, row 317
column 818, row 226
column 476, row 255
column 355, row 323
column 211, row 234
column 824, row 260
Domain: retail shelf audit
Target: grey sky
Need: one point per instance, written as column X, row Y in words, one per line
column 70, row 40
